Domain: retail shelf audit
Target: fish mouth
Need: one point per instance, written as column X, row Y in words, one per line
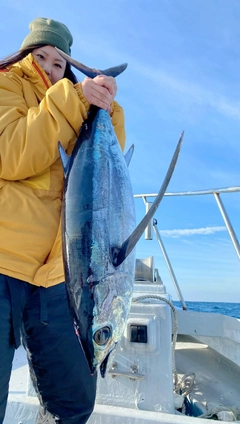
column 101, row 339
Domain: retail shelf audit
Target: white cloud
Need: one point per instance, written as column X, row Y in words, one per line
column 198, row 94
column 191, row 232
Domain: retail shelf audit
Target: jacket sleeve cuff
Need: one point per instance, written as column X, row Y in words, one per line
column 78, row 88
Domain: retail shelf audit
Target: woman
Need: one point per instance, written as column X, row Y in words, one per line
column 42, row 103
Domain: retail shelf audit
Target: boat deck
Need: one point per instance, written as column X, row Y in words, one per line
column 217, row 378
column 217, row 381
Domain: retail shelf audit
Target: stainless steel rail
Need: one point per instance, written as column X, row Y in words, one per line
column 193, row 193
column 216, row 193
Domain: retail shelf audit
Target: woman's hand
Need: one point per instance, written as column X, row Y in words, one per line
column 100, row 91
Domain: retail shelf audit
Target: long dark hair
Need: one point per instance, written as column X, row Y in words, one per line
column 16, row 57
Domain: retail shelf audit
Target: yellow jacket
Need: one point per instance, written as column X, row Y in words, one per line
column 34, row 116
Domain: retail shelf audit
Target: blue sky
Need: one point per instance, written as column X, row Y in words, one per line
column 183, row 74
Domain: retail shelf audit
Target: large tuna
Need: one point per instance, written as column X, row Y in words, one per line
column 99, row 233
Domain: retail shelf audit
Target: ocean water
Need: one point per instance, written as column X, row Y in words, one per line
column 230, row 309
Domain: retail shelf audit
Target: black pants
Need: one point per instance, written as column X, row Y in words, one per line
column 58, row 367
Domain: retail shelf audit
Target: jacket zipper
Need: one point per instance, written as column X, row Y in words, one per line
column 41, row 74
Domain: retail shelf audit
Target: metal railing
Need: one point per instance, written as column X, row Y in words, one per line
column 153, row 224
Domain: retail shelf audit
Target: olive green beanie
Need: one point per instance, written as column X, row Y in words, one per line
column 48, row 32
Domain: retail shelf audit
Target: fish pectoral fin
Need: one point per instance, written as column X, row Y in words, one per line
column 120, row 254
column 114, row 254
column 128, row 155
column 65, row 159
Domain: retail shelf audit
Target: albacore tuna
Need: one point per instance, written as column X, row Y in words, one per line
column 99, row 232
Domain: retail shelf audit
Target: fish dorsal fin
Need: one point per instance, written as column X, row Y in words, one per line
column 92, row 72
column 128, row 155
column 119, row 255
column 64, row 158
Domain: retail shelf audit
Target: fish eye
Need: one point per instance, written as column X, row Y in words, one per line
column 102, row 336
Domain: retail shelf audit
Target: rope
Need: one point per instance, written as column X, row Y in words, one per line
column 185, row 386
column 221, row 412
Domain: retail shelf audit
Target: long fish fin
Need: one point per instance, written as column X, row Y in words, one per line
column 128, row 155
column 92, row 72
column 119, row 255
column 64, row 158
